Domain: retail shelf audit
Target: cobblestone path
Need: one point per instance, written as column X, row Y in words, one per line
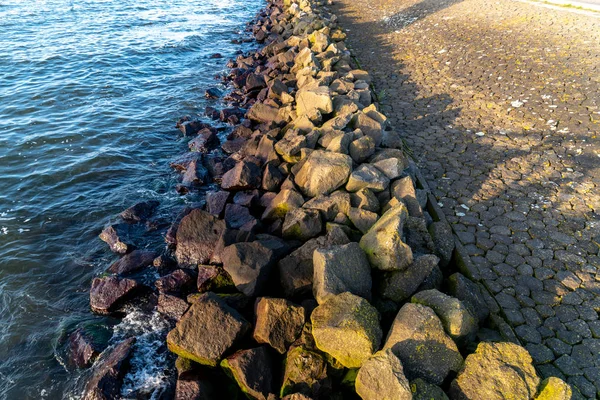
column 500, row 103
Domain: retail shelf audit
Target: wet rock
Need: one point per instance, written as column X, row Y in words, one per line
column 253, row 372
column 172, row 306
column 215, row 202
column 469, row 294
column 457, row 320
column 237, row 216
column 108, row 293
column 140, row 211
column 400, row 285
column 107, row 375
column 279, row 322
column 301, row 224
column 195, row 175
column 132, row 262
column 382, row 377
column 496, row 371
column 316, row 98
column 296, row 270
column 207, row 330
column 111, row 237
column 182, row 162
column 249, row 265
column 197, row 235
column 339, row 269
column 323, row 172
column 228, row 113
column 213, row 278
column 383, row 242
column 306, row 373
column 189, row 127
column 422, row 390
column 244, row 176
column 179, row 281
column 285, row 201
column 234, row 145
column 205, row 141
column 188, row 388
column 82, row 350
column 418, row 339
column 213, row 93
column 367, row 177
column 352, row 342
column 554, row 388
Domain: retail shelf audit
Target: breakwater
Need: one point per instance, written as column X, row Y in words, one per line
column 319, row 266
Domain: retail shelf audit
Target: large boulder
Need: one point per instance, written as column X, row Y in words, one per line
column 110, row 292
column 107, row 375
column 457, row 320
column 244, row 176
column 425, row 350
column 285, row 201
column 383, row 242
column 382, row 378
column 132, row 262
column 367, row 176
column 347, row 327
column 554, row 388
column 469, row 293
column 207, row 330
column 323, row 172
column 400, row 285
column 339, row 269
column 496, row 371
column 197, row 236
column 253, row 372
column 249, row 265
column 302, row 224
column 279, row 322
column 305, row 372
column 314, row 98
column 296, row 270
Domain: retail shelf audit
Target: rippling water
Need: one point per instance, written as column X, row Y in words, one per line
column 89, row 93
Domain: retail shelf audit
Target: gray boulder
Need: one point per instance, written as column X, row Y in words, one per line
column 367, row 176
column 302, row 224
column 249, row 265
column 469, row 294
column 382, row 378
column 279, row 322
column 323, row 172
column 400, row 285
column 197, row 236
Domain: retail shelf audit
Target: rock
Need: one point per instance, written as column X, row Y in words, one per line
column 249, row 265
column 107, row 375
column 215, row 202
column 233, row 145
column 182, row 162
column 213, row 278
column 340, row 143
column 178, row 281
column 367, row 177
column 554, row 388
column 189, row 128
column 234, row 112
column 469, row 294
column 279, row 322
column 264, row 113
column 363, row 220
column 272, row 178
column 400, row 285
column 327, row 205
column 417, row 236
column 108, row 293
column 457, row 320
column 443, row 241
column 347, row 328
column 418, row 339
column 301, row 224
column 197, row 236
column 237, row 216
column 382, row 378
column 207, row 330
column 368, row 126
column 172, row 306
column 254, row 81
column 306, row 373
column 383, row 242
column 213, row 93
column 111, row 237
column 253, row 371
column 296, row 270
column 82, row 351
column 391, row 167
column 132, row 262
column 314, row 98
column 206, row 140
column 323, row 172
column 319, row 41
column 364, row 199
column 422, row 390
column 339, row 269
column 285, row 201
column 290, row 145
column 404, row 190
column 195, row 175
column 140, row 211
column 194, row 389
column 244, row 176
column 362, row 148
column 496, row 371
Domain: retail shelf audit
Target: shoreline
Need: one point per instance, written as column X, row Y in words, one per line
column 321, row 217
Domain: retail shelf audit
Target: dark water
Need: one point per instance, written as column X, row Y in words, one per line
column 89, row 93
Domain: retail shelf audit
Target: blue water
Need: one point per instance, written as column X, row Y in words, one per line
column 89, row 94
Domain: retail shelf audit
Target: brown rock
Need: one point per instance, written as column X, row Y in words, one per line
column 279, row 322
column 109, row 292
column 197, row 234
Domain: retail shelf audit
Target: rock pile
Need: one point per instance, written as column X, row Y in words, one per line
column 319, row 269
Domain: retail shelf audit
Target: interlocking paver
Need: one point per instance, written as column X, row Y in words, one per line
column 499, row 103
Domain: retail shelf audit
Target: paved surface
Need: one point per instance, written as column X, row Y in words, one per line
column 500, row 103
